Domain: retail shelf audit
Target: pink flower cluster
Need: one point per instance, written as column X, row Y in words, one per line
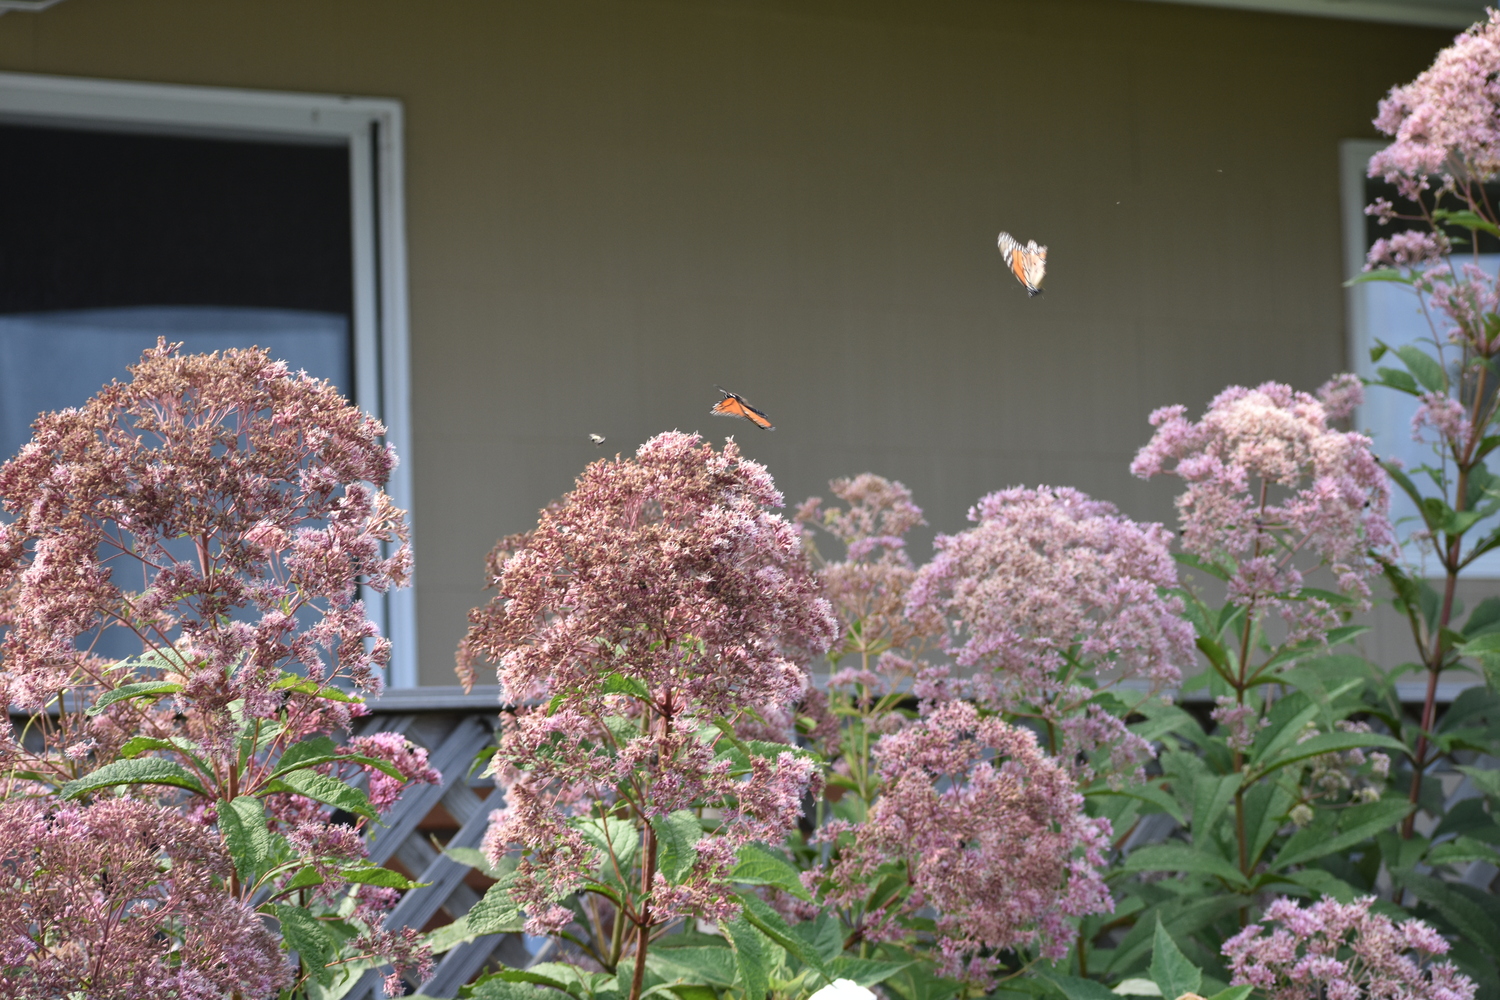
column 1410, row 248
column 121, row 899
column 1443, row 414
column 991, row 833
column 1343, row 952
column 868, row 587
column 1446, row 121
column 663, row 591
column 1268, row 481
column 404, row 756
column 1051, row 586
column 147, row 511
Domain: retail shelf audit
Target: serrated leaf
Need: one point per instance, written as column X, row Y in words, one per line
column 1358, row 823
column 1075, row 988
column 758, row 866
column 1382, row 274
column 750, row 957
column 322, row 788
column 306, row 877
column 866, row 972
column 701, row 966
column 1466, row 916
column 243, row 825
column 307, row 936
column 676, row 833
column 1182, row 858
column 616, row 840
column 378, row 876
column 137, row 745
column 142, row 689
column 1233, row 993
column 1153, row 794
column 1212, row 794
column 292, row 682
column 1328, row 743
column 141, row 771
column 1170, row 968
column 497, row 912
column 771, row 924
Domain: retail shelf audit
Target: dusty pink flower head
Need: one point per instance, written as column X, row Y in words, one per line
column 1268, row 483
column 122, row 899
column 221, row 513
column 1468, row 299
column 404, row 756
column 1447, row 121
column 991, row 833
column 1339, row 950
column 1410, row 248
column 1051, row 587
column 1340, row 395
column 661, row 587
column 1443, row 414
column 868, row 587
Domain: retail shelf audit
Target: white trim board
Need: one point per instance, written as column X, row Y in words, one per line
column 371, row 129
column 1425, row 13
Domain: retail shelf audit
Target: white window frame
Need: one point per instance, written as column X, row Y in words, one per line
column 371, row 129
column 1354, row 160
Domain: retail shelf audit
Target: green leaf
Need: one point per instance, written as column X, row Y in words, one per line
column 750, row 957
column 759, row 866
column 1170, row 968
column 497, row 912
column 1182, row 858
column 1287, row 720
column 1423, row 367
column 137, row 745
column 143, row 689
column 865, row 971
column 1466, row 916
column 305, row 878
column 1465, row 219
column 1462, row 851
column 298, row 754
column 1329, row 743
column 1153, row 794
column 243, row 824
column 702, row 966
column 308, row 937
column 495, row 988
column 141, row 771
column 1486, row 780
column 770, row 923
column 823, row 935
column 613, row 838
column 292, row 682
column 322, row 788
column 1383, row 274
column 1075, row 988
column 1233, row 993
column 676, row 833
column 1212, row 794
column 1396, row 379
column 1358, row 824
column 376, row 875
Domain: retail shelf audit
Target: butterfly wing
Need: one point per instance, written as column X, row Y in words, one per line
column 734, row 406
column 1033, row 268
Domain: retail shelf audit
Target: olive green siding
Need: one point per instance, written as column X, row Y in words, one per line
column 611, row 206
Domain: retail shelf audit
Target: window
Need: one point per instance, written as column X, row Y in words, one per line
column 218, row 218
column 1389, row 313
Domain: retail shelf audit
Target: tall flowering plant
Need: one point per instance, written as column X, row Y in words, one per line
column 950, row 836
column 1276, row 499
column 181, row 565
column 1445, row 149
column 651, row 634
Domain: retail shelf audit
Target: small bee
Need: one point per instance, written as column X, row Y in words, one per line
column 598, row 439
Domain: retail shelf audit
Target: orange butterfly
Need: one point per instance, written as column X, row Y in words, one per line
column 1027, row 263
column 735, row 406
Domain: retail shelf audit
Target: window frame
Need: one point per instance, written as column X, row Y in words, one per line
column 372, row 131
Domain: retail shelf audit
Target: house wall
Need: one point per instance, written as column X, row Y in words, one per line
column 614, row 204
